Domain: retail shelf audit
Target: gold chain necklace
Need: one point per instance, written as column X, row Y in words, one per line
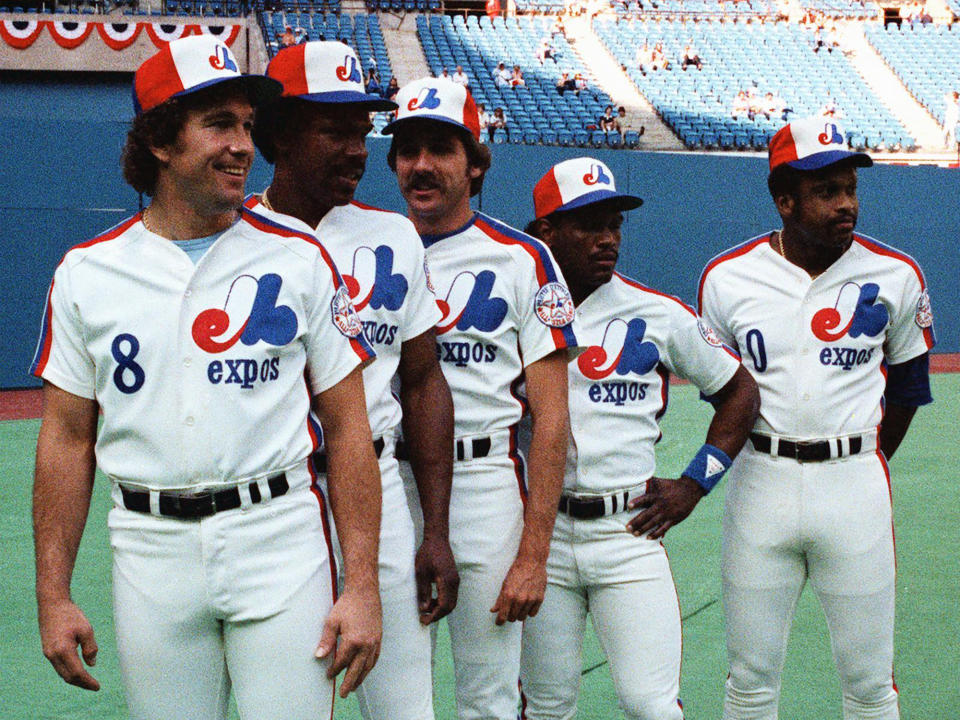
column 143, row 219
column 264, row 201
column 780, row 244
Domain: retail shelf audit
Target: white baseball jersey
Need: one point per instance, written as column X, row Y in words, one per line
column 818, row 348
column 504, row 305
column 212, row 364
column 635, row 337
column 381, row 260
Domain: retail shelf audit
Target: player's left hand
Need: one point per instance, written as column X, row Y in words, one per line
column 666, row 503
column 435, row 567
column 356, row 621
column 522, row 591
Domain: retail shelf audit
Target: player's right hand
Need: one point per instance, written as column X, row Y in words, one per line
column 436, row 568
column 63, row 627
column 356, row 620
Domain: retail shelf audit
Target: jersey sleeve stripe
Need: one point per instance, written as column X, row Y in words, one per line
column 505, row 235
column 359, row 343
column 734, row 252
column 42, row 353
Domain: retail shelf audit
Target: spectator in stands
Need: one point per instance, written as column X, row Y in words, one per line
column 485, row 121
column 492, row 8
column 644, row 57
column 288, row 38
column 773, row 107
column 565, row 83
column 741, row 106
column 392, row 88
column 502, row 75
column 497, row 122
column 579, row 83
column 608, row 121
column 372, row 83
column 460, row 77
column 445, row 74
column 690, row 57
column 831, row 109
column 516, row 77
column 546, row 51
column 951, row 117
column 622, row 123
column 658, row 58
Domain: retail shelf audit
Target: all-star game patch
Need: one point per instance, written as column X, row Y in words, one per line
column 343, row 314
column 554, row 305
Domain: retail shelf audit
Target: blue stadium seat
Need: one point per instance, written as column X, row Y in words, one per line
column 632, row 138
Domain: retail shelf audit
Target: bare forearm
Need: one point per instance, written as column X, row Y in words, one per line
column 428, row 431
column 896, row 422
column 737, row 407
column 548, row 450
column 63, row 483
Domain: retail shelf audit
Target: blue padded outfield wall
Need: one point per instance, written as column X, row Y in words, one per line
column 61, row 184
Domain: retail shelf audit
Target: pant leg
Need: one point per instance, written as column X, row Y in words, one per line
column 486, row 520
column 552, row 652
column 270, row 570
column 852, row 570
column 764, row 571
column 400, row 686
column 636, row 614
column 169, row 639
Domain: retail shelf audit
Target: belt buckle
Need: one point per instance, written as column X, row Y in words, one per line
column 802, row 444
column 195, row 505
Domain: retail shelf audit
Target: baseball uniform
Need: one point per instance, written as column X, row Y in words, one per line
column 635, row 337
column 205, row 374
column 504, row 306
column 382, row 261
column 818, row 349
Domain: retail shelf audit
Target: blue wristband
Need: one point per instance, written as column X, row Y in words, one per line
column 708, row 467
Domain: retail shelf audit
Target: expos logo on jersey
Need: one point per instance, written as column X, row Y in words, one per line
column 622, row 351
column 469, row 305
column 250, row 315
column 373, row 283
column 855, row 313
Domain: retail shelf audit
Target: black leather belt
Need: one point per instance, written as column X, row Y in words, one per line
column 588, row 508
column 320, row 457
column 480, row 447
column 807, row 450
column 202, row 504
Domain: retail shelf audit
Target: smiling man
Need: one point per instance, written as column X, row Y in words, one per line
column 507, row 318
column 315, row 135
column 836, row 329
column 606, row 558
column 203, row 333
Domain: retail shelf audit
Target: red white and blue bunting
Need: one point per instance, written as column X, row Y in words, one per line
column 68, row 34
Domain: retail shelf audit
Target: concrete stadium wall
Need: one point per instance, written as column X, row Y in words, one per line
column 61, row 184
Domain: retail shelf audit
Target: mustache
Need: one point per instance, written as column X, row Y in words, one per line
column 423, row 181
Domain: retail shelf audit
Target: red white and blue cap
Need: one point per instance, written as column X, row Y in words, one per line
column 812, row 143
column 437, row 99
column 193, row 63
column 578, row 182
column 324, row 71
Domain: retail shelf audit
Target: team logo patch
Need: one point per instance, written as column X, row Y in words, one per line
column 554, row 305
column 924, row 317
column 708, row 334
column 343, row 314
column 622, row 350
column 855, row 313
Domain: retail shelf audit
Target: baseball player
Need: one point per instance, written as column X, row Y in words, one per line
column 605, row 557
column 315, row 136
column 203, row 333
column 836, row 329
column 506, row 318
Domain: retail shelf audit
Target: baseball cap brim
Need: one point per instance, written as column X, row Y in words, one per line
column 821, row 160
column 259, row 88
column 391, row 127
column 618, row 200
column 349, row 97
